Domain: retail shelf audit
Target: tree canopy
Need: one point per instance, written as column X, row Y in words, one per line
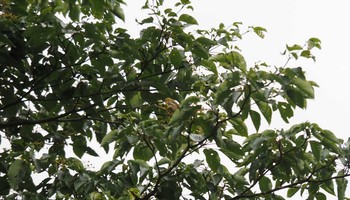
column 170, row 104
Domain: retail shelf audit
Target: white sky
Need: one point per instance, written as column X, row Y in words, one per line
column 291, row 22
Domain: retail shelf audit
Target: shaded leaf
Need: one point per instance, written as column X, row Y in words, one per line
column 266, row 110
column 265, row 184
column 212, row 158
column 17, row 173
column 291, row 191
column 118, row 11
column 255, row 116
column 320, row 196
column 316, row 149
column 296, row 97
column 142, row 152
column 200, row 51
column 328, row 186
column 341, row 185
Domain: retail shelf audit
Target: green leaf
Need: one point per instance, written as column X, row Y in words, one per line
column 109, row 137
column 206, row 41
column 255, row 116
column 136, row 100
column 330, row 136
column 240, row 179
column 5, row 40
column 17, row 173
column 91, row 152
column 266, row 110
column 5, row 186
column 209, row 65
column 291, row 191
column 232, row 150
column 177, row 116
column 175, row 57
column 184, row 113
column 314, row 42
column 304, row 86
column 188, row 19
column 295, row 47
column 200, row 51
column 328, row 186
column 237, row 60
column 212, row 158
column 285, row 110
column 224, row 95
column 254, row 144
column 142, row 152
column 75, row 164
column 296, row 97
column 231, row 60
column 265, row 184
column 118, row 11
column 79, row 145
column 147, row 20
column 341, row 185
column 332, row 146
column 306, row 54
column 74, row 12
column 316, row 149
column 140, row 163
column 239, row 125
column 313, row 189
column 97, row 9
column 320, row 196
column 260, row 31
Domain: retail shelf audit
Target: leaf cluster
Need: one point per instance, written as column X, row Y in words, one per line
column 169, row 105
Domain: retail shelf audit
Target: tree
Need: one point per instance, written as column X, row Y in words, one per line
column 170, row 104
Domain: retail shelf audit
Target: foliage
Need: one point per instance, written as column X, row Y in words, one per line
column 170, row 104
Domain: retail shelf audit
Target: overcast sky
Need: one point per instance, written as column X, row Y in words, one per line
column 291, row 22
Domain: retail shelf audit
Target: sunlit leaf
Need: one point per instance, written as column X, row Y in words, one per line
column 239, row 126
column 260, row 31
column 188, row 19
column 305, row 86
column 75, row 164
column 109, row 137
column 175, row 57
